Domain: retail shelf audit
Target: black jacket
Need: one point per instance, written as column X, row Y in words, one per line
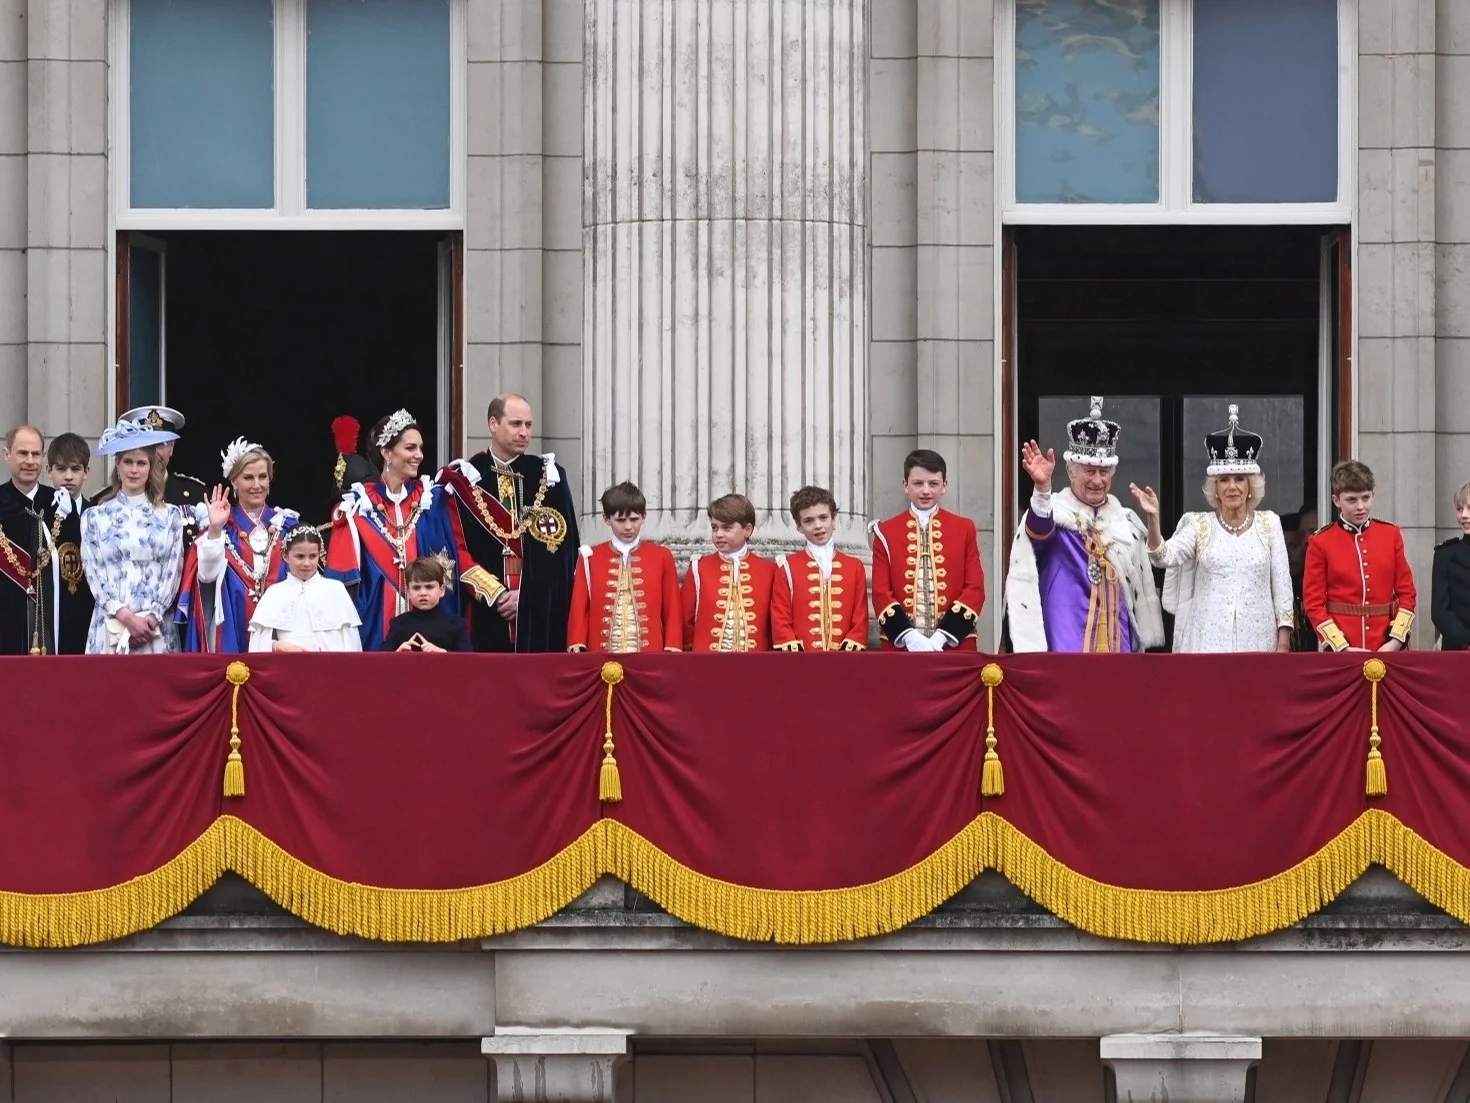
column 1450, row 605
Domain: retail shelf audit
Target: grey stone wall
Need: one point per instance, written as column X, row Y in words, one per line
column 13, row 136
column 1452, row 258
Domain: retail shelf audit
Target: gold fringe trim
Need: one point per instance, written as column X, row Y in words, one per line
column 754, row 914
column 101, row 915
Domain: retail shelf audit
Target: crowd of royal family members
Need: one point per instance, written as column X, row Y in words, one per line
column 484, row 556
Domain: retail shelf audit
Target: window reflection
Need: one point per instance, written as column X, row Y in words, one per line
column 1087, row 101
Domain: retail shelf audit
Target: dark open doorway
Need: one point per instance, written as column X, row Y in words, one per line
column 1172, row 324
column 270, row 335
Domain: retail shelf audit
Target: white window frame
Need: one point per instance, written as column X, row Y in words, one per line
column 289, row 211
column 1176, row 138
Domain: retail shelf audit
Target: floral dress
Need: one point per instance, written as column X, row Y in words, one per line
column 133, row 556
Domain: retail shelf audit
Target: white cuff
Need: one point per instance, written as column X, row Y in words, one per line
column 1041, row 503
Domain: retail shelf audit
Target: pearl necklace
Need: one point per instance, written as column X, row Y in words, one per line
column 1235, row 530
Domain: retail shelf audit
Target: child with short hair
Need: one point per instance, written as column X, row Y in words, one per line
column 820, row 601
column 427, row 625
column 1450, row 598
column 68, row 463
column 625, row 593
column 928, row 587
column 305, row 611
column 727, row 595
column 1357, row 589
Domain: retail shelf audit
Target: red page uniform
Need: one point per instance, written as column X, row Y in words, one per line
column 817, row 605
column 1357, row 589
column 623, row 603
column 727, row 602
column 927, row 577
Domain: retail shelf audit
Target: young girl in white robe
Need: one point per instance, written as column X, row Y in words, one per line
column 305, row 611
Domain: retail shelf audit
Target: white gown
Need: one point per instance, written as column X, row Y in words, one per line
column 1234, row 591
column 317, row 615
column 133, row 557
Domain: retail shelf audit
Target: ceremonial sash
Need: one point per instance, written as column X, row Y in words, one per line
column 15, row 562
column 488, row 511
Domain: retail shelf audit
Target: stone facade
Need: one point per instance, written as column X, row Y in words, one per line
column 877, row 335
column 570, row 167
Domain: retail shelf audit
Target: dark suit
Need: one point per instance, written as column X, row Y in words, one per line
column 546, row 574
column 1451, row 596
column 23, row 618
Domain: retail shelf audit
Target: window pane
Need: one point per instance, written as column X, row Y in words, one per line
column 203, row 103
column 1281, row 422
column 1087, row 101
column 377, row 104
column 1265, row 101
column 145, row 325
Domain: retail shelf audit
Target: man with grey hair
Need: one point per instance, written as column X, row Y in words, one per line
column 1080, row 578
column 28, row 568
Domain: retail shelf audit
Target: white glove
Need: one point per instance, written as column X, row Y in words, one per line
column 942, row 640
column 61, row 502
column 914, row 640
column 470, row 472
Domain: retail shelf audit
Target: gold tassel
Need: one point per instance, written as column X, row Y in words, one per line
column 992, row 775
column 1375, row 670
column 237, row 674
column 609, row 781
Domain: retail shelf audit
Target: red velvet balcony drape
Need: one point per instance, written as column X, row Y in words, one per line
column 796, row 798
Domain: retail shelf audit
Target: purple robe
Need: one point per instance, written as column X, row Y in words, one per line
column 1077, row 615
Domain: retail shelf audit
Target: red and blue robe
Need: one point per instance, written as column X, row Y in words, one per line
column 362, row 553
column 237, row 596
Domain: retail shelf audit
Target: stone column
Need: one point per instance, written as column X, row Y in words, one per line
column 12, row 212
column 564, row 1066
column 724, row 272
column 1452, row 265
column 1180, row 1068
column 67, row 277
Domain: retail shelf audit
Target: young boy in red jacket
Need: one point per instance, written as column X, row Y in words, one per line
column 727, row 595
column 625, row 593
column 820, row 602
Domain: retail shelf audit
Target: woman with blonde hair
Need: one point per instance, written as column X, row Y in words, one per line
column 133, row 547
column 239, row 556
column 1450, row 601
column 1228, row 580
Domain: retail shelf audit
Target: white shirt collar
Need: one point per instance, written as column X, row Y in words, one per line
column 397, row 497
column 737, row 555
column 924, row 515
column 824, row 555
column 31, row 494
column 622, row 549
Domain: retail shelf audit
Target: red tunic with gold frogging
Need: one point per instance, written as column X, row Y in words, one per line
column 623, row 608
column 727, row 603
column 1357, row 589
column 944, row 594
column 810, row 613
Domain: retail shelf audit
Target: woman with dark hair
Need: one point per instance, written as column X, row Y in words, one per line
column 305, row 611
column 383, row 526
column 230, row 566
column 133, row 547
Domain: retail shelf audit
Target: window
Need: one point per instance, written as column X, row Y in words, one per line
column 335, row 113
column 1177, row 110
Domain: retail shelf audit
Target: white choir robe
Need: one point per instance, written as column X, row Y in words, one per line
column 316, row 615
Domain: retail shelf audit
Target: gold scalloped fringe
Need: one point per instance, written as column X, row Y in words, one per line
column 805, row 917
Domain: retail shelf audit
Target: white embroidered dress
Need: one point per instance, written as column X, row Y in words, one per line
column 315, row 615
column 1233, row 591
column 133, row 557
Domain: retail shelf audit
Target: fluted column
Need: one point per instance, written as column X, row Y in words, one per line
column 724, row 273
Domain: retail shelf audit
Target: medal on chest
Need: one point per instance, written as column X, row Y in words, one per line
column 260, row 540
